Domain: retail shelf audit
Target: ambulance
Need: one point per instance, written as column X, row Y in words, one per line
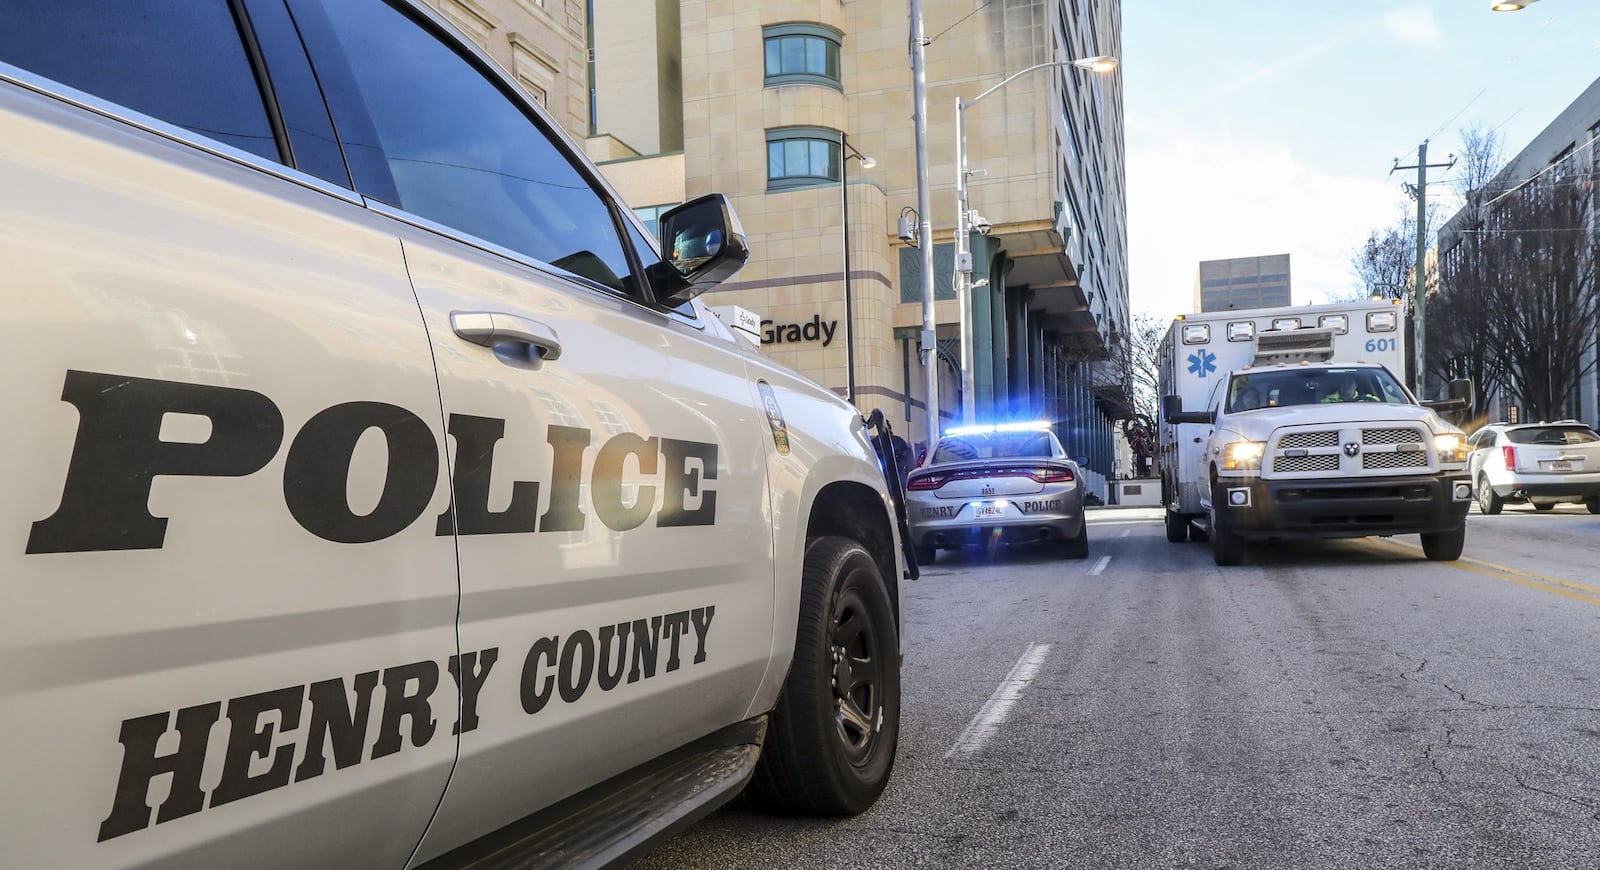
column 1296, row 422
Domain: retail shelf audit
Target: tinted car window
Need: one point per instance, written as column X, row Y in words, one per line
column 183, row 63
column 1552, row 435
column 998, row 445
column 425, row 130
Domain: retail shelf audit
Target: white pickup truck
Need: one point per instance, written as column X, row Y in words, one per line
column 1282, row 423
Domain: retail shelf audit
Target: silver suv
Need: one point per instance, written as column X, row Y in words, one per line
column 1541, row 464
column 376, row 489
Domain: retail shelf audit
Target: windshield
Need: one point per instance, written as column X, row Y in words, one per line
column 1274, row 388
column 995, row 445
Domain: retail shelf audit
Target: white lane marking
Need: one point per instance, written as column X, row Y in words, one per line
column 993, row 714
column 1125, row 533
column 1100, row 565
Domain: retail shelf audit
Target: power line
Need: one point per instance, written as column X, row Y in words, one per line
column 961, row 19
column 1581, row 149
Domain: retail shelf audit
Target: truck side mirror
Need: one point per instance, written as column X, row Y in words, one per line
column 704, row 244
column 1172, row 410
column 1459, row 397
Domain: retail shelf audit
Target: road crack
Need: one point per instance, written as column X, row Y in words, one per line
column 1594, row 811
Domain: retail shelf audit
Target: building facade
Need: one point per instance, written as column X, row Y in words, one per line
column 779, row 106
column 1569, row 149
column 1242, row 282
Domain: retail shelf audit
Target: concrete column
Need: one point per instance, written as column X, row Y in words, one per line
column 1039, row 367
column 983, row 251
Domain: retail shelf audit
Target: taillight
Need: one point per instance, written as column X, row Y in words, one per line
column 1510, row 455
column 1051, row 475
column 931, row 481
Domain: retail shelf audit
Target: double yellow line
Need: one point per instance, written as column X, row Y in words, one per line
column 1554, row 585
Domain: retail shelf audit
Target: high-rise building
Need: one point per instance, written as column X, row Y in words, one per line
column 775, row 104
column 1242, row 282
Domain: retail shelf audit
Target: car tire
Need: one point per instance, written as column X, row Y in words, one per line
column 1444, row 546
column 1488, row 502
column 1593, row 504
column 1077, row 547
column 1227, row 546
column 1544, row 505
column 1177, row 527
column 829, row 749
column 927, row 555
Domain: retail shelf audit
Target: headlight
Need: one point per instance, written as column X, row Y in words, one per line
column 1243, row 455
column 1451, row 447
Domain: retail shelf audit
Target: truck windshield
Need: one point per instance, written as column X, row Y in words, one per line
column 1273, row 388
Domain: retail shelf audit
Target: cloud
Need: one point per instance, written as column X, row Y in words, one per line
column 1413, row 25
column 1191, row 199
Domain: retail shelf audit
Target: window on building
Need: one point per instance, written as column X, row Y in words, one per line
column 802, row 54
column 802, row 157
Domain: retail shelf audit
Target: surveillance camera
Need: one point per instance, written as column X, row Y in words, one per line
column 981, row 223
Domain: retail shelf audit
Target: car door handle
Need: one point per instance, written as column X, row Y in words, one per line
column 490, row 328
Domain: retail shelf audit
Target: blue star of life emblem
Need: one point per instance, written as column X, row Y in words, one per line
column 1202, row 362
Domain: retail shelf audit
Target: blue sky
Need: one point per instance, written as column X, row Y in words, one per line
column 1270, row 126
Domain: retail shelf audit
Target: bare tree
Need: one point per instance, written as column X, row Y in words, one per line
column 1463, row 331
column 1547, row 244
column 1384, row 263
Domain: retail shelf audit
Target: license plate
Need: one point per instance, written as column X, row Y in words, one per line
column 1560, row 465
column 988, row 511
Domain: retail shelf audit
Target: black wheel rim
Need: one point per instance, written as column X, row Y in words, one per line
column 857, row 679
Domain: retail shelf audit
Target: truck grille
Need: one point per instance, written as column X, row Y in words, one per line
column 1308, row 439
column 1389, row 436
column 1299, row 464
column 1373, row 450
column 1408, row 459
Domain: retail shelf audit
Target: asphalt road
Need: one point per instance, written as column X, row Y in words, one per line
column 1340, row 704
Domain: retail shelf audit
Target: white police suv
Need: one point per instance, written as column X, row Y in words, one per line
column 377, row 494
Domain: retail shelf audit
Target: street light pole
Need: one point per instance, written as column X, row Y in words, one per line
column 1100, row 64
column 928, row 349
column 847, row 151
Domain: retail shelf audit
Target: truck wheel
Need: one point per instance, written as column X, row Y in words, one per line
column 1227, row 547
column 1078, row 547
column 1593, row 504
column 1444, row 546
column 1177, row 527
column 831, row 740
column 927, row 555
column 1488, row 502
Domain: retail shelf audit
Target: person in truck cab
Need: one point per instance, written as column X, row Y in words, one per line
column 1350, row 391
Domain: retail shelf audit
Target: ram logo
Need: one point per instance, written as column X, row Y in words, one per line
column 1351, row 448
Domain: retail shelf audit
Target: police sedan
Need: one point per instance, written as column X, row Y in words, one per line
column 1008, row 482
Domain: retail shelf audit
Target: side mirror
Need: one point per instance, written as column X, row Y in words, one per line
column 1172, row 410
column 704, row 244
column 1460, row 397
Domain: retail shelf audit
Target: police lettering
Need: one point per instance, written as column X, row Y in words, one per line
column 119, row 453
column 566, row 668
column 1040, row 507
column 264, row 732
column 940, row 512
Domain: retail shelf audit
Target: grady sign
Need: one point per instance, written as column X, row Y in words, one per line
column 794, row 333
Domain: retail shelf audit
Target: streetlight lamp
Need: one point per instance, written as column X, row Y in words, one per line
column 1100, row 64
column 1512, row 5
column 849, row 151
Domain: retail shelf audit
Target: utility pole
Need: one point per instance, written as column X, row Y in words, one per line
column 1419, row 289
column 929, row 349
